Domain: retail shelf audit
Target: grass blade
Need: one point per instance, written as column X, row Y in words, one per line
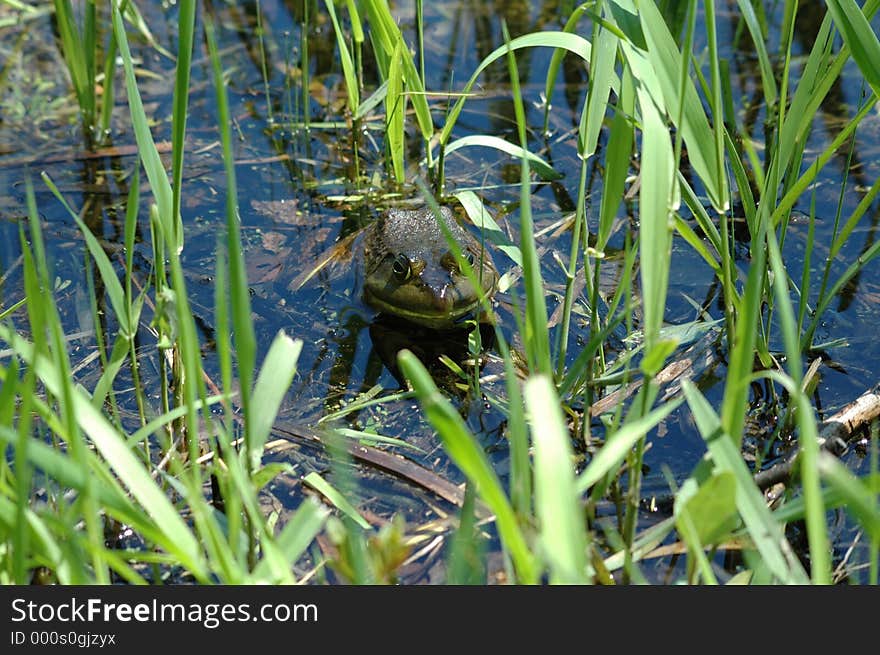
column 272, row 384
column 543, row 169
column 469, row 457
column 765, row 531
column 339, row 501
column 858, row 34
column 561, row 520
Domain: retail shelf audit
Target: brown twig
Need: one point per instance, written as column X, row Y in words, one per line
column 834, row 435
column 392, row 463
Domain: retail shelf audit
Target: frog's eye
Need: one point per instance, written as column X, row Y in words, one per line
column 469, row 258
column 401, row 268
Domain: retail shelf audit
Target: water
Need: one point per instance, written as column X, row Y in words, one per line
column 313, row 171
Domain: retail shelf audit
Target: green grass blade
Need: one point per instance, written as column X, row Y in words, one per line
column 58, row 467
column 742, row 353
column 858, row 34
column 296, row 535
column 602, row 78
column 561, row 40
column 386, row 34
column 765, row 531
column 617, row 162
column 374, row 100
column 820, row 563
column 488, row 227
column 561, row 520
column 114, row 449
column 46, row 322
column 657, row 63
column 471, row 459
column 146, row 146
column 620, row 443
column 768, row 80
column 80, row 61
column 105, row 383
column 466, row 561
column 860, row 500
column 543, row 169
column 715, row 100
column 395, row 112
column 186, row 16
column 655, row 234
column 145, row 431
column 272, row 384
column 351, row 83
column 242, row 324
column 536, row 335
column 105, row 267
column 17, row 518
column 339, row 501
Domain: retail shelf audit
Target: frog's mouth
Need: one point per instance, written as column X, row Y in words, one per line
column 438, row 311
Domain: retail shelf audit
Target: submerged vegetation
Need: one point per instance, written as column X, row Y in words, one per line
column 156, row 481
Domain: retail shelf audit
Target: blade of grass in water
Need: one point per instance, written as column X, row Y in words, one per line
column 386, row 36
column 189, row 384
column 561, row 520
column 556, row 62
column 466, row 560
column 655, row 59
column 520, row 469
column 488, row 227
column 858, row 34
column 107, row 441
column 243, row 329
column 395, row 108
column 536, row 337
column 717, row 111
column 655, row 234
column 617, row 162
column 860, row 499
column 620, row 443
column 79, row 55
column 47, row 321
column 348, row 70
column 762, row 527
column 185, row 28
column 296, row 535
column 602, row 78
column 543, row 169
column 276, row 375
column 561, row 40
column 113, row 287
column 146, row 146
column 337, row 499
column 469, row 457
column 768, row 80
column 820, row 563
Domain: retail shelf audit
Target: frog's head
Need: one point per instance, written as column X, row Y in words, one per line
column 410, row 271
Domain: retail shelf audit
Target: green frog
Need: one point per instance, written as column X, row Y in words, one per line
column 405, row 265
column 410, row 272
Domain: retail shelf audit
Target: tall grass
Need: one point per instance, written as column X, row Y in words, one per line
column 88, row 45
column 93, row 468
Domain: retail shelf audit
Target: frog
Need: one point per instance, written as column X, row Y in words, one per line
column 404, row 267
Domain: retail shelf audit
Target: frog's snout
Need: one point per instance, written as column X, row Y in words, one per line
column 443, row 297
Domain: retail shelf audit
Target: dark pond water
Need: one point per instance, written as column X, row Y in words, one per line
column 314, row 172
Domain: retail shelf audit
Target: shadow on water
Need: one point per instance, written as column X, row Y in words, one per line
column 298, row 151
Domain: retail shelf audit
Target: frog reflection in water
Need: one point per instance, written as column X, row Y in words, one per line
column 410, row 272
